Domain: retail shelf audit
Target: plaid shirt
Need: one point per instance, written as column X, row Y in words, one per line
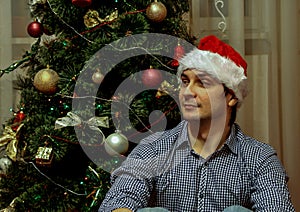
column 163, row 171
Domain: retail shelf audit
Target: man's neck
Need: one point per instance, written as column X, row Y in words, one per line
column 207, row 136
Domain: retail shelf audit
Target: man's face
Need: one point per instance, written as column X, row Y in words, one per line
column 201, row 96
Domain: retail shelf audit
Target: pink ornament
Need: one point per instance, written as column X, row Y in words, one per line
column 152, row 78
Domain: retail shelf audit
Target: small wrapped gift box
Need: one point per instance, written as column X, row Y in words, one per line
column 44, row 156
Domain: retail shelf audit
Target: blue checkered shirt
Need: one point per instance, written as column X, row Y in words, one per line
column 164, row 171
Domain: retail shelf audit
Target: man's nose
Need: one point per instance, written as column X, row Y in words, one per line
column 189, row 91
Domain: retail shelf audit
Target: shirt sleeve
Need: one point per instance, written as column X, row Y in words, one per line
column 270, row 190
column 132, row 182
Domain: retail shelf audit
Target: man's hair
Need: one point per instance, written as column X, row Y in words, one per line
column 233, row 108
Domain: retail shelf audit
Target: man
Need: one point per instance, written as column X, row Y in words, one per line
column 206, row 163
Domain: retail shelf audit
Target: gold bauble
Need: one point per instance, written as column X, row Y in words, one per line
column 156, row 11
column 46, row 81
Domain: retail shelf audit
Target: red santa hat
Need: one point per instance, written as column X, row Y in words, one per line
column 221, row 61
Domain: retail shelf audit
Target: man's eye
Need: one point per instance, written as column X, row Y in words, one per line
column 205, row 83
column 184, row 82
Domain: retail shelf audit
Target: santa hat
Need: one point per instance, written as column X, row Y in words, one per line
column 219, row 60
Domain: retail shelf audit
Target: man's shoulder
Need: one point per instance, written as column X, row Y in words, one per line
column 252, row 145
column 157, row 143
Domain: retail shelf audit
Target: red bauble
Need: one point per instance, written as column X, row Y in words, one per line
column 35, row 29
column 178, row 53
column 82, row 3
column 174, row 63
column 152, row 78
column 19, row 117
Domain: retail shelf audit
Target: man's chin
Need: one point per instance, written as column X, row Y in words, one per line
column 192, row 118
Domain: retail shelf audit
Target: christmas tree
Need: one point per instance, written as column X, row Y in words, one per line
column 100, row 76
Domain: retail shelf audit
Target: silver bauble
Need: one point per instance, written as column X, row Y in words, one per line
column 5, row 163
column 116, row 144
column 98, row 77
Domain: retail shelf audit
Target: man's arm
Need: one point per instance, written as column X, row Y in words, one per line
column 127, row 192
column 132, row 182
column 270, row 191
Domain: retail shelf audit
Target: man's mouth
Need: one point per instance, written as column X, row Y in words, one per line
column 190, row 106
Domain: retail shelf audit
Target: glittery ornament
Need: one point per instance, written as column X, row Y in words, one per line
column 91, row 18
column 165, row 89
column 156, row 11
column 44, row 156
column 46, row 81
column 116, row 144
column 19, row 117
column 35, row 29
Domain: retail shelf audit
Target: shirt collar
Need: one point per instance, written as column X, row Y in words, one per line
column 183, row 135
column 232, row 141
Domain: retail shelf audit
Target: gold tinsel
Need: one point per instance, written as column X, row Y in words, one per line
column 10, row 138
column 92, row 18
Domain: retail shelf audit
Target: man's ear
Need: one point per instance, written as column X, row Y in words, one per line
column 233, row 101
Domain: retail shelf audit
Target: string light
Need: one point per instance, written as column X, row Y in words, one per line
column 98, row 26
column 57, row 184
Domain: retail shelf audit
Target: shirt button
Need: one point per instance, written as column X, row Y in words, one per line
column 201, row 196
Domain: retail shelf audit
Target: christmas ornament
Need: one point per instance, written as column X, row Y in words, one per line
column 19, row 117
column 10, row 138
column 44, row 156
column 5, row 163
column 46, row 81
column 35, row 29
column 97, row 77
column 152, row 78
column 82, row 3
column 110, row 17
column 178, row 53
column 165, row 89
column 156, row 11
column 91, row 18
column 74, row 120
column 116, row 144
